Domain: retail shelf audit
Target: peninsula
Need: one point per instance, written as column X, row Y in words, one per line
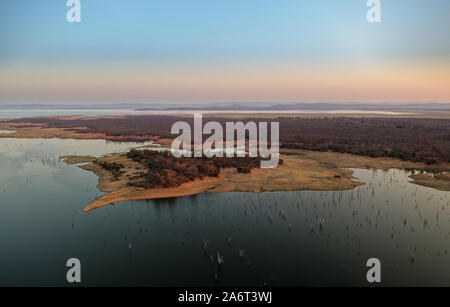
column 124, row 178
column 317, row 153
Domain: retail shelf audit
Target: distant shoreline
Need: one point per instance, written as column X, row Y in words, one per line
column 375, row 109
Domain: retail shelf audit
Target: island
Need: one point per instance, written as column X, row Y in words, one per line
column 317, row 153
column 146, row 174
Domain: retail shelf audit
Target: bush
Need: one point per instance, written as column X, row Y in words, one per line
column 165, row 171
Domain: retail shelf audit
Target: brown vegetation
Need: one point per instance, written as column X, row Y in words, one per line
column 410, row 139
column 163, row 170
column 114, row 167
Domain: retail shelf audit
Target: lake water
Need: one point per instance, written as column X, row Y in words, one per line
column 41, row 226
column 11, row 113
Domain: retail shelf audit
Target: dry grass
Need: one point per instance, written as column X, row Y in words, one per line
column 439, row 182
column 301, row 170
column 71, row 159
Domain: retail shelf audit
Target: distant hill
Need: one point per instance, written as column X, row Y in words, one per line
column 248, row 106
column 306, row 106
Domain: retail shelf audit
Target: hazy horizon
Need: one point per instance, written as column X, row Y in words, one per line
column 224, row 107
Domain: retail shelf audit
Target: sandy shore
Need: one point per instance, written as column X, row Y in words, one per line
column 33, row 131
column 301, row 170
column 295, row 174
column 440, row 182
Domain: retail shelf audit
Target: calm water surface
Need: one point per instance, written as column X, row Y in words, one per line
column 11, row 113
column 41, row 226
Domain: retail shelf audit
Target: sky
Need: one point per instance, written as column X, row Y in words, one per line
column 216, row 51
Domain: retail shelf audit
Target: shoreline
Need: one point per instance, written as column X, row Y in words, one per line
column 304, row 170
column 286, row 177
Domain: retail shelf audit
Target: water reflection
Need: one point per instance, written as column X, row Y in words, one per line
column 279, row 239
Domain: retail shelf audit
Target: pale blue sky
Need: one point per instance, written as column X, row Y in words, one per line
column 222, row 32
